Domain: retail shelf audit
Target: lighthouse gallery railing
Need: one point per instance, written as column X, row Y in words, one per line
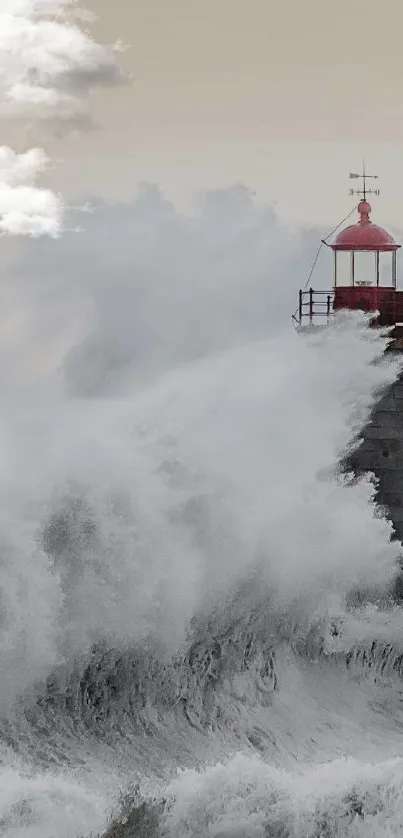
column 313, row 305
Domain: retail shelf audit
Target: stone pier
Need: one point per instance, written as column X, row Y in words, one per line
column 381, row 452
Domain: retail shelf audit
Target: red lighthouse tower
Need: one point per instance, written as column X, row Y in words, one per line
column 364, row 275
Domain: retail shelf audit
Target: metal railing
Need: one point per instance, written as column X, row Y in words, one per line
column 312, row 306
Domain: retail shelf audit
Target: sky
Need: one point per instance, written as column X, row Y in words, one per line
column 285, row 98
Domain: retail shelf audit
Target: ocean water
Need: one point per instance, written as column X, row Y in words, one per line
column 198, row 633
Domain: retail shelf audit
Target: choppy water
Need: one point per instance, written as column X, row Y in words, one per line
column 192, row 599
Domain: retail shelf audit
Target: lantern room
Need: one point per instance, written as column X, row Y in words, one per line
column 364, row 264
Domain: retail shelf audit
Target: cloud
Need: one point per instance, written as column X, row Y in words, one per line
column 48, row 67
column 48, row 64
column 24, row 208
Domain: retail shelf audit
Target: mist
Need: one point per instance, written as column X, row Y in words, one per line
column 143, row 288
column 184, row 439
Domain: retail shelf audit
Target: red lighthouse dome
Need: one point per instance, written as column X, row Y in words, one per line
column 364, row 235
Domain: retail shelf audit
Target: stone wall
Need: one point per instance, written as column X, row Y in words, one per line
column 381, row 452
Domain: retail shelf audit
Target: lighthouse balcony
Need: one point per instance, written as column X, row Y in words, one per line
column 315, row 308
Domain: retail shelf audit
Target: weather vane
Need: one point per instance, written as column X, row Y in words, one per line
column 364, row 191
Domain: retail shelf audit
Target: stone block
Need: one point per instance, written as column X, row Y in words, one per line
column 385, row 419
column 392, row 500
column 397, row 390
column 380, row 432
column 387, row 403
column 396, row 514
column 391, row 482
column 367, row 461
column 372, row 445
column 388, row 463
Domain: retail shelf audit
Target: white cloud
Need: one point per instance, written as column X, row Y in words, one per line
column 25, row 209
column 48, row 65
column 17, row 168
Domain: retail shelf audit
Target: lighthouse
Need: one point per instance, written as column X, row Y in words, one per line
column 364, row 273
column 365, row 278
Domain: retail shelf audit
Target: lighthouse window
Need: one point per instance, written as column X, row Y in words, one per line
column 343, row 268
column 365, row 268
column 386, row 272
